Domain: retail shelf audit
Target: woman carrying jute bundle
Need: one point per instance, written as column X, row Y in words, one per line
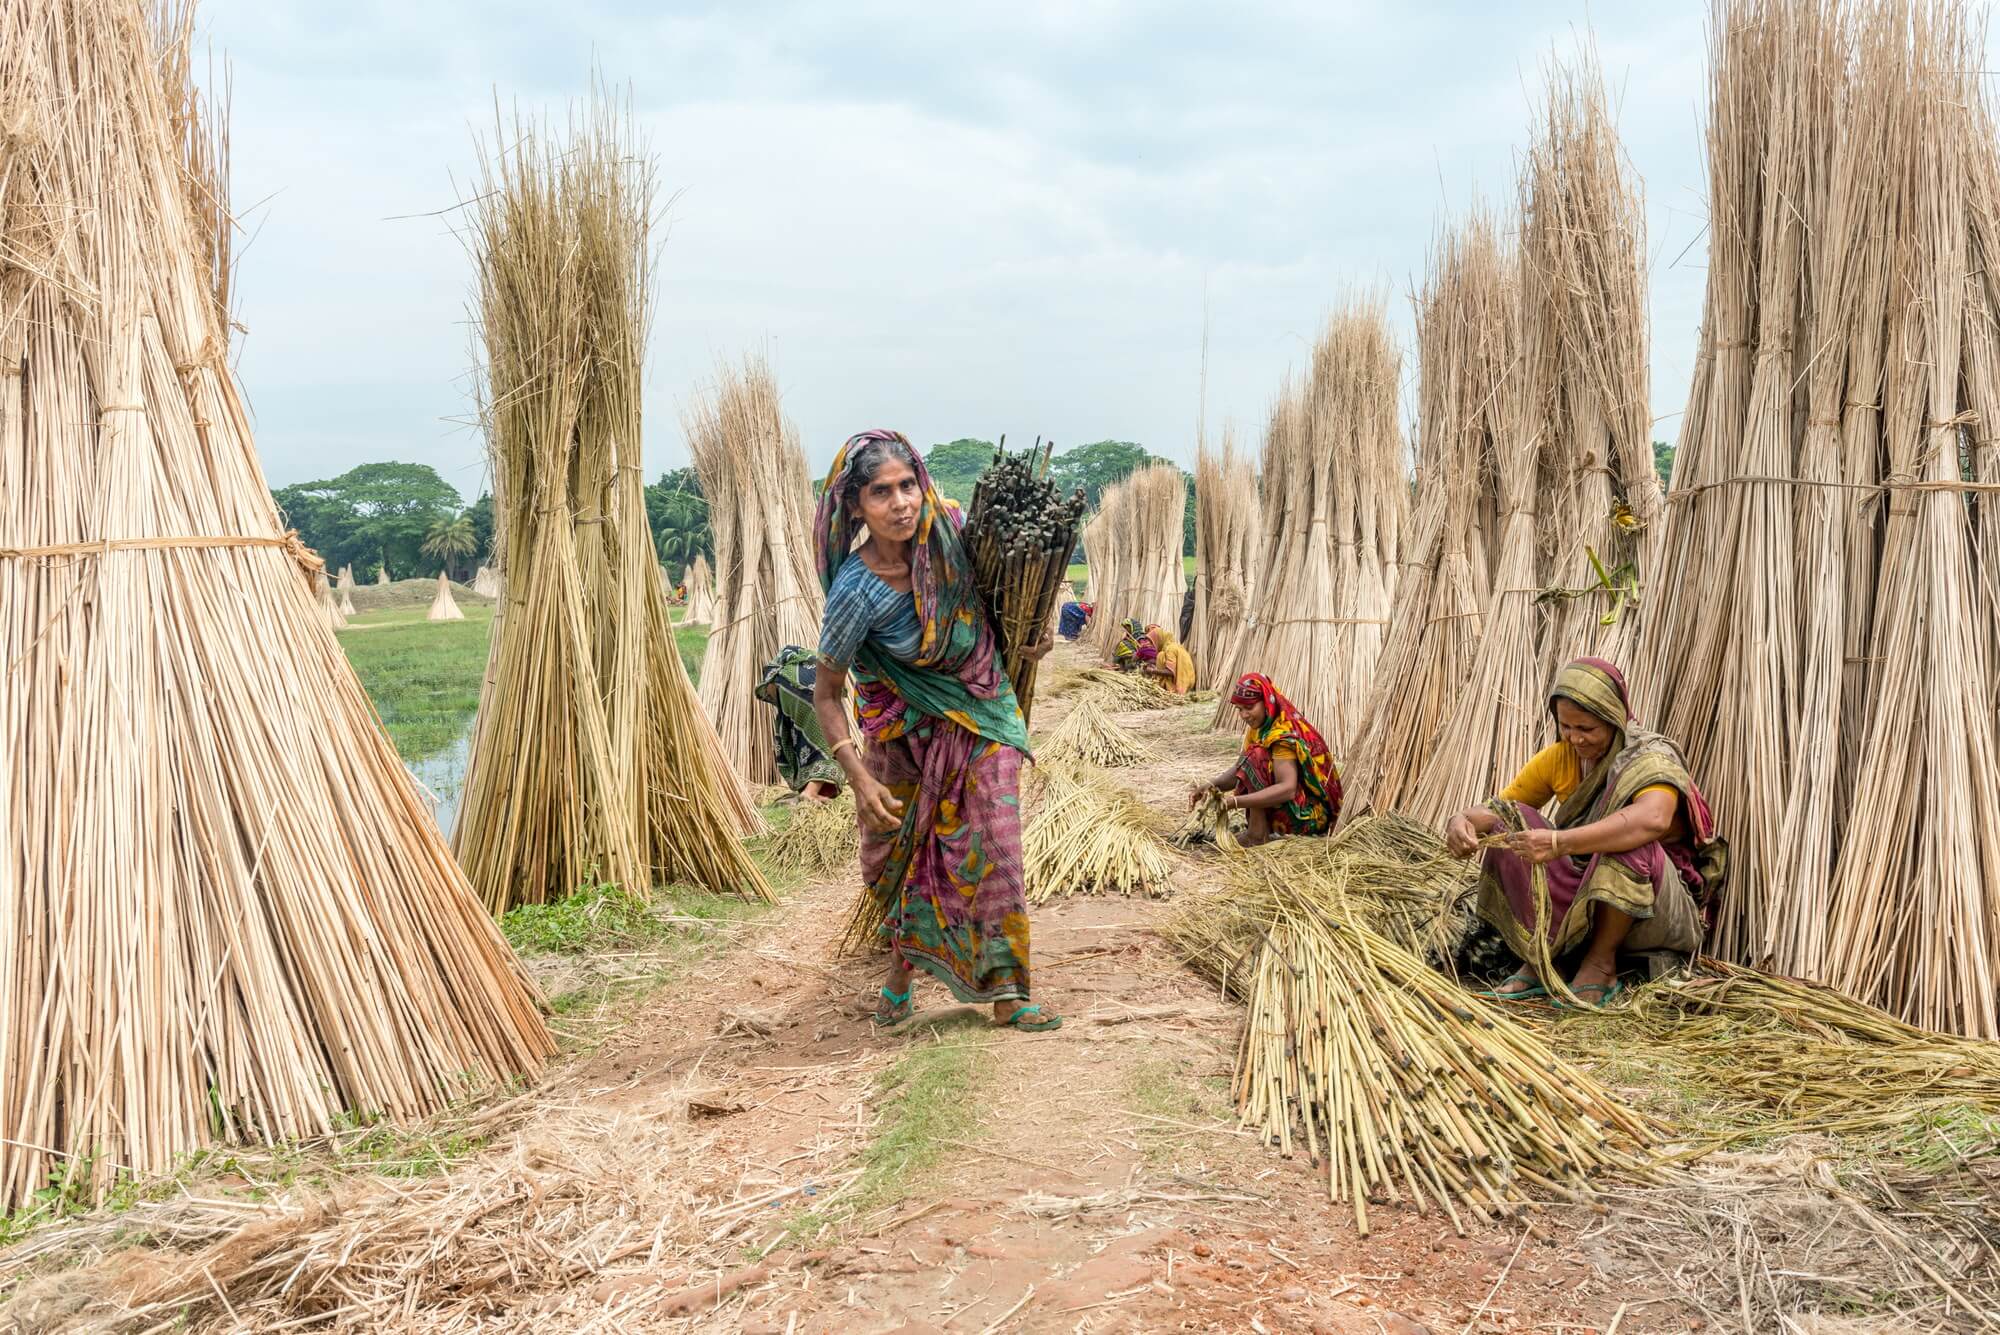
column 1284, row 782
column 938, row 788
column 1629, row 857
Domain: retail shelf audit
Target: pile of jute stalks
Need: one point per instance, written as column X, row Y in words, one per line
column 1089, row 735
column 1404, row 1086
column 1089, row 836
column 1020, row 533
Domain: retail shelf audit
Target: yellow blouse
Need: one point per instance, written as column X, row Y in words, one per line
column 1555, row 772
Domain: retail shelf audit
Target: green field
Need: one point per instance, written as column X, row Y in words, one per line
column 1079, row 574
column 424, row 676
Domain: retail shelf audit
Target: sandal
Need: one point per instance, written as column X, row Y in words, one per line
column 899, row 1009
column 1607, row 993
column 1034, row 1026
column 1539, row 989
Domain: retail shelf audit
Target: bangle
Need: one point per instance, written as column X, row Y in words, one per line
column 845, row 741
column 1556, row 842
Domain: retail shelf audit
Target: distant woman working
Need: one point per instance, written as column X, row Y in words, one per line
column 1166, row 660
column 938, row 789
column 1284, row 782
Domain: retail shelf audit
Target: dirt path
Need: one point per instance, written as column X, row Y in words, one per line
column 745, row 1151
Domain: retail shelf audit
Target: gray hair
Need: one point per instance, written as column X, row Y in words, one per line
column 867, row 461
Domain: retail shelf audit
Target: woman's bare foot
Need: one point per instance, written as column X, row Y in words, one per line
column 1527, row 978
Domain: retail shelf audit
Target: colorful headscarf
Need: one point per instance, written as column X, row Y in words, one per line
column 1126, row 649
column 1284, row 723
column 957, row 673
column 1148, row 651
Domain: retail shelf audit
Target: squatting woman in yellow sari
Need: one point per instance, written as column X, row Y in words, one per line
column 1166, row 661
column 1629, row 852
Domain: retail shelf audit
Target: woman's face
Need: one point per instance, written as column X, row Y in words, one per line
column 1251, row 714
column 1588, row 735
column 891, row 502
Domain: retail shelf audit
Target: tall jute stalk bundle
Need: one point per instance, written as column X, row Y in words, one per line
column 1831, row 666
column 591, row 760
column 1227, row 540
column 767, row 592
column 1137, row 538
column 1917, row 887
column 381, row 575
column 486, row 583
column 224, row 913
column 1286, row 421
column 346, row 604
column 1434, row 630
column 444, row 607
column 347, row 576
column 1497, row 721
column 1583, row 261
column 700, row 594
column 1332, row 450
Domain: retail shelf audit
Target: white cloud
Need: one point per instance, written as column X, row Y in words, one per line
column 958, row 220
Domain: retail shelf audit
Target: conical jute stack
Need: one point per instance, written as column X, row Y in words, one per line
column 444, row 607
column 1134, row 548
column 591, row 761
column 1465, row 344
column 224, row 913
column 347, row 576
column 486, row 583
column 346, row 603
column 1820, row 633
column 1228, row 536
column 700, row 594
column 381, row 575
column 329, row 606
column 767, row 591
column 1335, row 479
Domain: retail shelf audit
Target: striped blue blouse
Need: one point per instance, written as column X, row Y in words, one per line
column 859, row 606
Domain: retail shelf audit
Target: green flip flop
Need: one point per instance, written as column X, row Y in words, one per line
column 899, row 1008
column 1524, row 994
column 1606, row 995
column 1032, row 1026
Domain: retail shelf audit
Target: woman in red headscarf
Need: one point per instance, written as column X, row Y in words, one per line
column 1628, row 856
column 1284, row 782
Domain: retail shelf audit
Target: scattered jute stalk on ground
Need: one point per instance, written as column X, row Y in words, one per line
column 1121, row 690
column 1407, row 1087
column 1087, row 735
column 1089, row 837
column 822, row 838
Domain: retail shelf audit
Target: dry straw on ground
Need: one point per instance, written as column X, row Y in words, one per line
column 1088, row 735
column 767, row 593
column 224, row 913
column 1087, row 836
column 591, row 761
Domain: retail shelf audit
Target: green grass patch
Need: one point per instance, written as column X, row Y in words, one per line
column 692, row 641
column 928, row 1098
column 591, row 921
column 423, row 676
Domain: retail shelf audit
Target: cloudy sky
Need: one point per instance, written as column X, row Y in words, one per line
column 952, row 219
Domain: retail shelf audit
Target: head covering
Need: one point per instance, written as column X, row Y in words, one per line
column 1596, row 686
column 1131, row 626
column 1161, row 637
column 1284, row 723
column 1148, row 651
column 957, row 672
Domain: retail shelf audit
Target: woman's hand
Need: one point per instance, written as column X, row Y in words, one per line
column 1535, row 846
column 1198, row 792
column 1460, row 839
column 1036, row 652
column 881, row 810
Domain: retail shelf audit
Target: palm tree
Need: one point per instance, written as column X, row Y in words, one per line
column 450, row 539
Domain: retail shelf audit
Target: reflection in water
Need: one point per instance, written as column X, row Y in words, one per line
column 442, row 773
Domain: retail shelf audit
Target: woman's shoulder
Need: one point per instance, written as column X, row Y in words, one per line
column 855, row 580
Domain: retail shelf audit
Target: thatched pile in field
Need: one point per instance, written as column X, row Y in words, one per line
column 767, row 593
column 1335, row 487
column 591, row 762
column 224, row 913
column 1228, row 539
column 444, row 607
